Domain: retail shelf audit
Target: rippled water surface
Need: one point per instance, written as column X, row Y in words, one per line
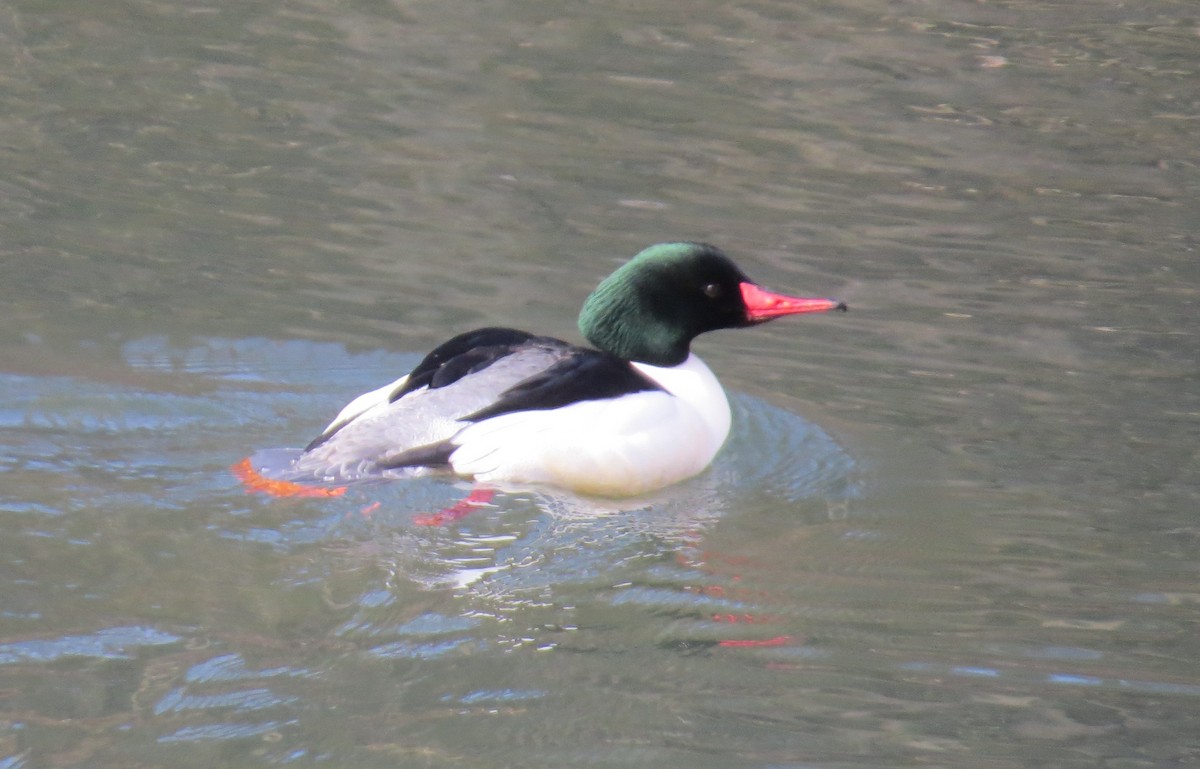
column 957, row 526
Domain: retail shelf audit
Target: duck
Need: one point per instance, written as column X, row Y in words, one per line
column 635, row 412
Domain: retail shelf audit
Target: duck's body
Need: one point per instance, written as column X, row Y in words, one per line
column 503, row 406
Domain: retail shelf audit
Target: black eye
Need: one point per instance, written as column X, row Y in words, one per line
column 713, row 290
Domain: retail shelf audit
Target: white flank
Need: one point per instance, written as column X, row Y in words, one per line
column 614, row 447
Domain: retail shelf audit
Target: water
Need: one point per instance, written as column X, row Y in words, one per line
column 954, row 527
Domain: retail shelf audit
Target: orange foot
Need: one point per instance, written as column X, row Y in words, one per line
column 461, row 509
column 738, row 643
column 255, row 483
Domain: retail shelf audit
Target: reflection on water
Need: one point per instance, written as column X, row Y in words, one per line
column 507, row 578
column 113, row 643
column 359, row 601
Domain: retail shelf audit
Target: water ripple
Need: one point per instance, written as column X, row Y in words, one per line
column 110, row 643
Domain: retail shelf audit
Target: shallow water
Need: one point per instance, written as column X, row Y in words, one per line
column 956, row 526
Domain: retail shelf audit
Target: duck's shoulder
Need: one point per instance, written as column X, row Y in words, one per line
column 581, row 374
column 538, row 372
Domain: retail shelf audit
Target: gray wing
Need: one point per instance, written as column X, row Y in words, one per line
column 423, row 419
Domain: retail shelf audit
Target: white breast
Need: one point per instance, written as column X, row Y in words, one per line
column 694, row 383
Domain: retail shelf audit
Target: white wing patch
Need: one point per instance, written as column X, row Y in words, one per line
column 363, row 404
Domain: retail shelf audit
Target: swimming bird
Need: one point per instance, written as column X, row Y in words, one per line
column 636, row 412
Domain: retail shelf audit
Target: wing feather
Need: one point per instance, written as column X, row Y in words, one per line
column 473, row 378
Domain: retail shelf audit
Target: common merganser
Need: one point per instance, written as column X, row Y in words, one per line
column 501, row 406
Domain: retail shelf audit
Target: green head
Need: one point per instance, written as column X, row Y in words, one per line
column 653, row 306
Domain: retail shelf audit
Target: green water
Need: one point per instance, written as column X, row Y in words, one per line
column 954, row 527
